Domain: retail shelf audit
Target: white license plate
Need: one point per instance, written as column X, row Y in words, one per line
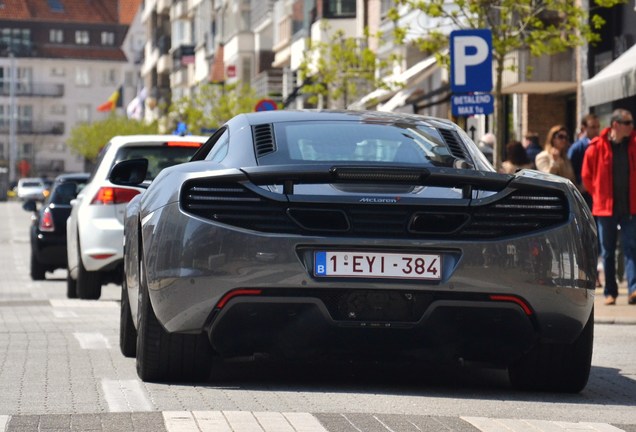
column 378, row 265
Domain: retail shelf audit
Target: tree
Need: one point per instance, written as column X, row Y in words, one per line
column 211, row 105
column 543, row 27
column 341, row 70
column 87, row 139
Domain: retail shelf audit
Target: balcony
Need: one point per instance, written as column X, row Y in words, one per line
column 269, row 84
column 549, row 74
column 182, row 56
column 33, row 89
column 35, row 128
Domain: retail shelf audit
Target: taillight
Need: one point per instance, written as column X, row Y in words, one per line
column 46, row 221
column 113, row 195
column 183, row 144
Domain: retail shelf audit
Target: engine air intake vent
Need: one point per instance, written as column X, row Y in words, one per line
column 263, row 139
column 454, row 143
column 520, row 212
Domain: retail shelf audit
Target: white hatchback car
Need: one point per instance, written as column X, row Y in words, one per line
column 95, row 227
column 31, row 188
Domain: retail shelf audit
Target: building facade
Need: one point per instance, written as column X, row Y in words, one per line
column 59, row 60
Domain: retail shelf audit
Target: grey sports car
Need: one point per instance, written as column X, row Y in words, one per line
column 306, row 234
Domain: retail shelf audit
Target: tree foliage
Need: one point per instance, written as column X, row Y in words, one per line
column 542, row 27
column 341, row 70
column 87, row 139
column 211, row 105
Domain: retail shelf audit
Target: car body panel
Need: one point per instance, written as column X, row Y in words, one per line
column 213, row 265
column 95, row 232
column 49, row 247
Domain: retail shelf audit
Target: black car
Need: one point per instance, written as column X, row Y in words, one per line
column 48, row 228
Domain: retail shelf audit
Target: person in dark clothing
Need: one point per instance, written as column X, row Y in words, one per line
column 531, row 144
column 590, row 128
column 609, row 175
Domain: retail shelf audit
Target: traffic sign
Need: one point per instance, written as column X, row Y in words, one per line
column 266, row 105
column 472, row 104
column 471, row 60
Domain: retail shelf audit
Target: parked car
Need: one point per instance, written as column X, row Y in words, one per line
column 358, row 234
column 31, row 188
column 48, row 227
column 95, row 225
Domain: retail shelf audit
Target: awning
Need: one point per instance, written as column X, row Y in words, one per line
column 616, row 81
column 410, row 77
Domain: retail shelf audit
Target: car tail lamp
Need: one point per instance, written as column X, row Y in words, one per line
column 113, row 195
column 238, row 292
column 183, row 144
column 513, row 299
column 46, row 221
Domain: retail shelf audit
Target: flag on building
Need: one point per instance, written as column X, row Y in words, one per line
column 135, row 109
column 114, row 101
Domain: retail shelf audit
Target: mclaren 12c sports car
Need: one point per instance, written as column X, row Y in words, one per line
column 314, row 234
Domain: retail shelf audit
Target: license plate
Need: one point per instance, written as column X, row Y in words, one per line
column 378, row 265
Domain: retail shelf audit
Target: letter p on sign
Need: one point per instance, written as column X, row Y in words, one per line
column 471, row 61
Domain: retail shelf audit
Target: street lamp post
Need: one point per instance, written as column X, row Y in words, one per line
column 13, row 144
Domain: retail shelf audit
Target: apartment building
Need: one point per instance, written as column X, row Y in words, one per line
column 59, row 60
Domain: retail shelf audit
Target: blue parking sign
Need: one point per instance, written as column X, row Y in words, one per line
column 471, row 60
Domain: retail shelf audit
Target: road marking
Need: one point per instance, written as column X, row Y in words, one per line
column 82, row 303
column 64, row 314
column 125, row 396
column 4, row 420
column 240, row 421
column 519, row 425
column 92, row 341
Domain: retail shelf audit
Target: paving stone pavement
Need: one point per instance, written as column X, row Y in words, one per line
column 40, row 377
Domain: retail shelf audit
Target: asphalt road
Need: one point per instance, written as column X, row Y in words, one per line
column 61, row 370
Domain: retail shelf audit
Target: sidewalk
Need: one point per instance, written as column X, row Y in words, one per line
column 620, row 313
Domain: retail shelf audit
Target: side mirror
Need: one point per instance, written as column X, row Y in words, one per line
column 30, row 206
column 129, row 172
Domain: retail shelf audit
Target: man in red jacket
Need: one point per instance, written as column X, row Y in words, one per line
column 609, row 174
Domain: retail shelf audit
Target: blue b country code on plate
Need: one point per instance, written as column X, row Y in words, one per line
column 377, row 265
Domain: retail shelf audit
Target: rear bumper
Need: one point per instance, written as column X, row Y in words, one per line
column 50, row 250
column 446, row 328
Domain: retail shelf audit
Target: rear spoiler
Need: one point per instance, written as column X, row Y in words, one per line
column 288, row 176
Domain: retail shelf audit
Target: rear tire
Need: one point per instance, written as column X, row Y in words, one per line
column 71, row 286
column 127, row 331
column 89, row 284
column 38, row 272
column 556, row 367
column 163, row 356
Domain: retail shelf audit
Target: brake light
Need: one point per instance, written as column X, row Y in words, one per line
column 46, row 221
column 183, row 144
column 239, row 292
column 512, row 299
column 113, row 195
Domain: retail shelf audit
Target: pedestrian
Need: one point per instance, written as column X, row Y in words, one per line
column 487, row 145
column 590, row 128
column 516, row 158
column 554, row 157
column 609, row 174
column 531, row 144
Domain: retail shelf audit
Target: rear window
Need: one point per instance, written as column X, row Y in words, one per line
column 64, row 192
column 318, row 142
column 159, row 156
column 32, row 184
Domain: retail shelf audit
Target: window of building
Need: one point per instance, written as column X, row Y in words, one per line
column 246, row 73
column 26, row 151
column 17, row 39
column 109, row 77
column 2, row 153
column 56, row 36
column 82, row 37
column 58, row 109
column 82, row 77
column 84, row 113
column 108, row 38
column 340, row 8
column 57, row 71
